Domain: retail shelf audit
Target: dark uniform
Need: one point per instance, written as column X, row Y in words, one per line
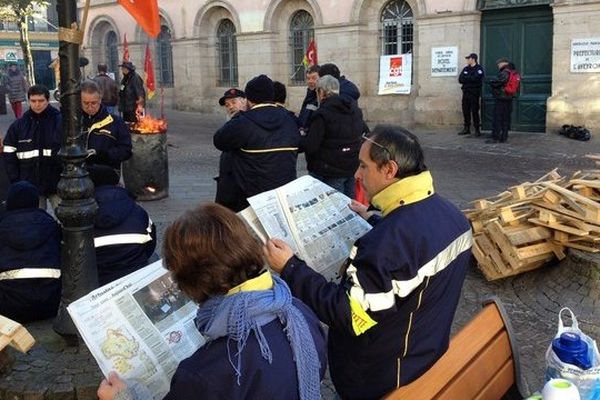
column 502, row 106
column 108, row 135
column 471, row 79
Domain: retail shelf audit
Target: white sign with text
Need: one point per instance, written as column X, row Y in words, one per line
column 585, row 55
column 444, row 61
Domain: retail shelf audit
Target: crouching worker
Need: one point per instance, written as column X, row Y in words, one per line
column 124, row 235
column 30, row 284
column 263, row 343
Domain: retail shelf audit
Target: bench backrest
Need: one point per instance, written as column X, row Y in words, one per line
column 480, row 363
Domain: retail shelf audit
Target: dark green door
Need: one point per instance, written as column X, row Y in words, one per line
column 524, row 35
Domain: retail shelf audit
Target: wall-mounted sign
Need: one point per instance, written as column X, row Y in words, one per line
column 444, row 61
column 395, row 74
column 585, row 55
column 11, row 55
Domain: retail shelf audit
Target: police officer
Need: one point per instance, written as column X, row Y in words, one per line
column 471, row 79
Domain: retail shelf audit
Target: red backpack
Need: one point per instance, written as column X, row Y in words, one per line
column 513, row 84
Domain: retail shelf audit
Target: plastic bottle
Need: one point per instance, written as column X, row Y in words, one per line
column 572, row 350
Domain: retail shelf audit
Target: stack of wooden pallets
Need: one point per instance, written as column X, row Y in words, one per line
column 532, row 223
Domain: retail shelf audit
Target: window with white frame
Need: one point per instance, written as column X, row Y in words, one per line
column 227, row 54
column 396, row 28
column 165, row 56
column 301, row 33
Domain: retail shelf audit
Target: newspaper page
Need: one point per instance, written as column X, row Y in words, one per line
column 140, row 326
column 251, row 219
column 318, row 224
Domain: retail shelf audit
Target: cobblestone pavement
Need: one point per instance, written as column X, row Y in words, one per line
column 464, row 169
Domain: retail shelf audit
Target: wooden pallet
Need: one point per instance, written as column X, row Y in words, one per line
column 15, row 335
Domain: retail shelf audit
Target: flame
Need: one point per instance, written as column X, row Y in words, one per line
column 147, row 124
column 150, row 189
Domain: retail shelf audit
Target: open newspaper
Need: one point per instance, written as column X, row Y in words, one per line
column 312, row 218
column 140, row 326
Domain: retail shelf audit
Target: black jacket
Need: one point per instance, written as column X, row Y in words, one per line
column 334, row 138
column 109, row 136
column 471, row 79
column 262, row 144
column 29, row 238
column 498, row 82
column 124, row 235
column 132, row 87
column 348, row 89
column 309, row 106
column 31, row 149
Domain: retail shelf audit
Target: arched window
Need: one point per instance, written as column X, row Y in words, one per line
column 301, row 33
column 227, row 54
column 165, row 56
column 396, row 28
column 112, row 53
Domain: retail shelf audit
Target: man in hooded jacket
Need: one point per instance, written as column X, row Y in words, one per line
column 347, row 88
column 30, row 266
column 124, row 234
column 262, row 144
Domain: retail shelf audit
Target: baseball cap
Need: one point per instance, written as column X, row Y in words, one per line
column 231, row 94
column 473, row 56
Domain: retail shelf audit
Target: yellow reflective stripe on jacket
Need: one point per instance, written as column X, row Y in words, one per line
column 100, row 124
column 273, row 150
column 361, row 321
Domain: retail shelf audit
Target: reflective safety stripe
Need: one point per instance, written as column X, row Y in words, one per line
column 273, row 150
column 101, row 124
column 30, row 273
column 9, row 149
column 125, row 238
column 24, row 155
column 386, row 300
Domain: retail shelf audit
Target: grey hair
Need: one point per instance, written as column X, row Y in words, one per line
column 329, row 85
column 91, row 87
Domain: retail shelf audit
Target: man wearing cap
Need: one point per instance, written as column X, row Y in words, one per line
column 30, row 264
column 262, row 144
column 471, row 79
column 234, row 101
column 131, row 94
column 503, row 102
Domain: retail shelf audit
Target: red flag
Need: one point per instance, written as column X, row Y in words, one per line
column 149, row 73
column 145, row 12
column 125, row 48
column 310, row 58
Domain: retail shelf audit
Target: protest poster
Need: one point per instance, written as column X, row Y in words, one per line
column 395, row 74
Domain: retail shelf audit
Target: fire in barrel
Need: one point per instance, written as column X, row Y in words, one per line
column 146, row 173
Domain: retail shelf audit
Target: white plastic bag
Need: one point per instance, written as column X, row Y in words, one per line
column 587, row 381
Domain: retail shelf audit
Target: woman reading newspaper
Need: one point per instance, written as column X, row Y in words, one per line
column 262, row 342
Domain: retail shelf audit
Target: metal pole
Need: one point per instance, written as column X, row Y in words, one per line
column 77, row 207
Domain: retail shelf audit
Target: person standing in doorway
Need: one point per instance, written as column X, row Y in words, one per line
column 471, row 79
column 16, row 86
column 132, row 95
column 108, row 87
column 503, row 102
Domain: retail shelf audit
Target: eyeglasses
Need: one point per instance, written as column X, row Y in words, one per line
column 366, row 137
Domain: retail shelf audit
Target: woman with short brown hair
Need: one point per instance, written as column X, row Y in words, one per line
column 262, row 342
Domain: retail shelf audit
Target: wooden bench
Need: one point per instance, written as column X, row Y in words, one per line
column 481, row 363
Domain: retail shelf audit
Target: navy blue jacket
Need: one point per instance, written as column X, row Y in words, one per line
column 263, row 146
column 109, row 136
column 309, row 106
column 29, row 238
column 208, row 374
column 31, row 149
column 124, row 235
column 390, row 317
column 334, row 138
column 348, row 89
column 471, row 78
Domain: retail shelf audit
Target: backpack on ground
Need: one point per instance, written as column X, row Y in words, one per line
column 513, row 84
column 575, row 132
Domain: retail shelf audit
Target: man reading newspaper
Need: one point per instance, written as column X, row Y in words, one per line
column 389, row 318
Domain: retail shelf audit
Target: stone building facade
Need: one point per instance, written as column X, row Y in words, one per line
column 206, row 46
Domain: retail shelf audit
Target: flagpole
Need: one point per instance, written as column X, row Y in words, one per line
column 162, row 102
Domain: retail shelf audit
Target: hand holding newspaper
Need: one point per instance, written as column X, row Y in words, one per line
column 312, row 218
column 140, row 326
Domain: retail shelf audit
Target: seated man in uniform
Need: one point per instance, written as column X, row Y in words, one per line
column 30, row 285
column 124, row 235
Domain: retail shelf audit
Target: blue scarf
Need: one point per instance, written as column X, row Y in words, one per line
column 236, row 315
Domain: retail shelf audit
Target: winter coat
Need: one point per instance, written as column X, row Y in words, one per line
column 309, row 106
column 124, row 235
column 109, row 136
column 499, row 82
column 31, row 149
column 263, row 146
column 110, row 91
column 29, row 238
column 348, row 89
column 16, row 86
column 132, row 88
column 471, row 78
column 334, row 138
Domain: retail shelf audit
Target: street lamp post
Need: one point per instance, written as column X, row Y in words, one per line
column 77, row 207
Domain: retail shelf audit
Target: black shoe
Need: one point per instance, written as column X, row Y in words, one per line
column 491, row 141
column 466, row 131
column 477, row 132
